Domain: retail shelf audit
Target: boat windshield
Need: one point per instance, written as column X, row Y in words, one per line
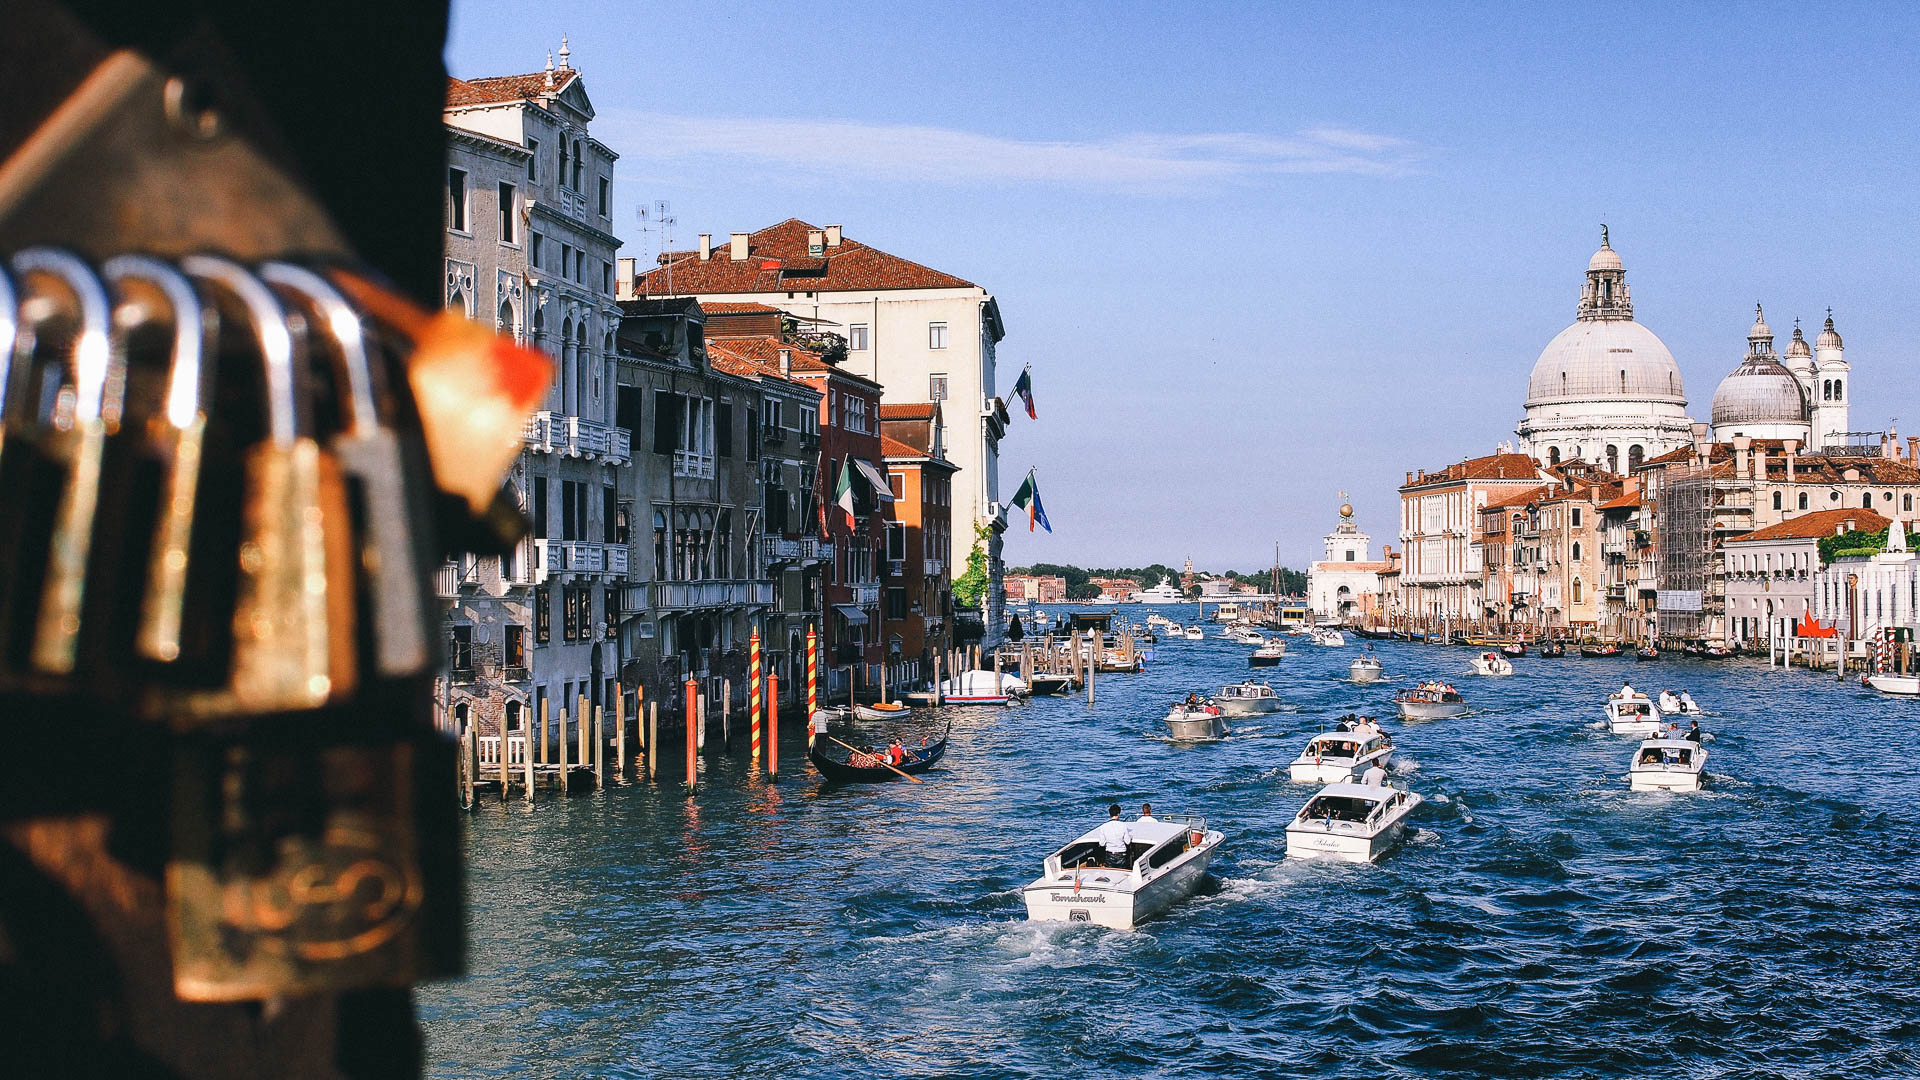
column 1337, row 807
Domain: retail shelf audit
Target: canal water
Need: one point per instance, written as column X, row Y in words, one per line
column 1542, row 920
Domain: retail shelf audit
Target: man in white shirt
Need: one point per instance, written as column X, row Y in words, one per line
column 1146, row 815
column 1375, row 776
column 1113, row 838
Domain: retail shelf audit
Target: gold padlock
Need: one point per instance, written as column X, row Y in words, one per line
column 293, row 626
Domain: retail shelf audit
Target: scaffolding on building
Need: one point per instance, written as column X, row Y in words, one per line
column 1687, row 551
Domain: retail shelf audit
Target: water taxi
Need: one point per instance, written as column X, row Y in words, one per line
column 1491, row 663
column 1364, row 669
column 1247, row 699
column 1430, row 701
column 1191, row 722
column 1339, row 756
column 1330, row 638
column 1630, row 712
column 1268, row 654
column 1165, row 863
column 1351, row 822
column 1667, row 765
column 1681, row 704
column 1194, row 633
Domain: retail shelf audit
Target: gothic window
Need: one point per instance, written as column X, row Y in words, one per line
column 1576, row 551
column 1576, row 590
column 457, row 303
column 506, row 318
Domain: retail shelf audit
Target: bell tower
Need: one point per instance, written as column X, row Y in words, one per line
column 1831, row 396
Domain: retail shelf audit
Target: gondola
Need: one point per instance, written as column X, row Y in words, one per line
column 1600, row 652
column 1515, row 648
column 919, row 760
column 1647, row 653
column 1552, row 650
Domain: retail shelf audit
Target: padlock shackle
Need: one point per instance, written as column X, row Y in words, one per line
column 94, row 358
column 271, row 333
column 341, row 322
column 187, row 369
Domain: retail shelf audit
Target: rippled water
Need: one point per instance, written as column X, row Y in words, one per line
column 1542, row 921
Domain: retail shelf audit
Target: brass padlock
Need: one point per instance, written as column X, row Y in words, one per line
column 293, row 627
column 389, row 527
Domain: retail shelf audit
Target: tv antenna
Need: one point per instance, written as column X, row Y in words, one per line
column 659, row 222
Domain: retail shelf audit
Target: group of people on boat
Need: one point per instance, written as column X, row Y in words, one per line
column 1364, row 726
column 1116, row 836
column 894, row 754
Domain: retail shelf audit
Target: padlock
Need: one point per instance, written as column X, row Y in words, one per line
column 64, row 344
column 293, row 628
column 389, row 527
column 298, row 867
column 174, row 435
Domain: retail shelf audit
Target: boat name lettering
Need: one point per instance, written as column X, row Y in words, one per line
column 1073, row 898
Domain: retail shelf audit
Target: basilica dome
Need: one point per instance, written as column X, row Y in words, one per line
column 1759, row 391
column 1605, row 359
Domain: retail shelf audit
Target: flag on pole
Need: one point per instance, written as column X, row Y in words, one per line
column 843, row 488
column 1028, row 498
column 1023, row 386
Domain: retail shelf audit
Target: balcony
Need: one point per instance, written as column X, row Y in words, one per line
column 446, row 582
column 577, row 557
column 573, row 436
column 936, row 568
column 866, row 595
column 692, row 595
column 814, row 549
column 692, row 466
column 810, row 440
column 772, row 434
column 775, row 549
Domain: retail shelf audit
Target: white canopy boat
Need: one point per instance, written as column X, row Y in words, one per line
column 1430, row 701
column 1351, row 822
column 1667, row 765
column 1681, row 704
column 1364, row 669
column 1895, row 684
column 1194, row 633
column 1196, row 723
column 1165, row 863
column 1336, row 757
column 1247, row 699
column 1632, row 714
column 1491, row 663
column 1331, row 638
column 981, row 688
column 1269, row 654
column 1249, row 637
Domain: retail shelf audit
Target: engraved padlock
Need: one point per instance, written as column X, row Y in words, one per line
column 175, row 427
column 293, row 612
column 53, row 455
column 389, row 529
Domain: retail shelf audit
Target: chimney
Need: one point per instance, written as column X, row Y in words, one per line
column 1743, row 457
column 623, row 277
column 1793, row 457
column 833, row 236
column 816, row 243
column 786, row 362
column 1913, row 448
column 706, row 246
column 737, row 246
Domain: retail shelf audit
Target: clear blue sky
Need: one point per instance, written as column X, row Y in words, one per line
column 1258, row 253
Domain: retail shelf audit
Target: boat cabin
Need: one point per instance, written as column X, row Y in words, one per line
column 1245, row 690
column 1358, row 803
column 1666, row 753
column 1155, row 844
column 1343, row 746
column 1633, row 706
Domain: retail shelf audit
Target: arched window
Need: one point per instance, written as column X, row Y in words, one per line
column 513, row 716
column 661, row 569
column 1826, row 390
column 1613, row 458
column 1623, row 380
column 460, row 717
column 1553, row 455
column 1576, row 551
column 1803, row 500
column 539, row 324
column 577, row 162
column 1635, row 455
column 1576, row 590
column 1776, row 500
column 563, row 161
column 1839, row 390
column 1866, row 499
column 506, row 318
column 723, row 546
column 457, row 302
column 1563, row 384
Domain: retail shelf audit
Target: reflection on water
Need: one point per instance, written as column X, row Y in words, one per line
column 1540, row 921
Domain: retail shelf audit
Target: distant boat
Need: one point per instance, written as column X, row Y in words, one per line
column 1162, row 593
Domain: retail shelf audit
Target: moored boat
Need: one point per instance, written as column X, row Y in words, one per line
column 1165, row 863
column 1247, row 698
column 1351, row 822
column 885, row 710
column 1048, row 684
column 1338, row 756
column 863, row 768
column 1491, row 663
column 1430, row 701
column 1667, row 765
column 981, row 688
column 1191, row 722
column 1906, row 685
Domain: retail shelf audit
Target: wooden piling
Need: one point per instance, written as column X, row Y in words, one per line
column 700, row 732
column 1093, row 667
column 544, row 721
column 599, row 748
column 936, row 680
column 726, row 715
column 580, row 726
column 773, row 724
column 620, row 736
column 693, row 719
column 653, row 739
column 526, row 760
column 504, row 774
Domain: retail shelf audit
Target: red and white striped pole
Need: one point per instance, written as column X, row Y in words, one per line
column 813, row 679
column 773, row 723
column 753, row 693
column 693, row 722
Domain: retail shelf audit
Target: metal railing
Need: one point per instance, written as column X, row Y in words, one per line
column 575, row 436
column 866, row 594
column 687, row 595
column 695, row 466
column 578, row 557
column 772, row 434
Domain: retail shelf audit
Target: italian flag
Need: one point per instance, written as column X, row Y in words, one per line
column 843, row 489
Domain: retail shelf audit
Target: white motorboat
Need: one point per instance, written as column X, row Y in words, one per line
column 1336, row 757
column 980, row 687
column 1196, row 723
column 1330, row 638
column 1268, row 654
column 1430, row 701
column 1894, row 684
column 1163, row 593
column 1248, row 636
column 1632, row 714
column 1667, row 765
column 1247, row 699
column 1491, row 663
column 1364, row 669
column 1681, row 704
column 1194, row 633
column 1165, row 863
column 1351, row 822
column 883, row 711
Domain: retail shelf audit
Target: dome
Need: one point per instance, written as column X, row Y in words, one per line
column 1798, row 346
column 1604, row 259
column 1605, row 359
column 1759, row 391
column 1829, row 338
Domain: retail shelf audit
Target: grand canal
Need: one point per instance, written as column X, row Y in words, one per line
column 1543, row 921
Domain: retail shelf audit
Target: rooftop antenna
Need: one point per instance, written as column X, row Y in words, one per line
column 660, row 221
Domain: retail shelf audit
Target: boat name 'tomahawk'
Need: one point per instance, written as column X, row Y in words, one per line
column 1076, row 898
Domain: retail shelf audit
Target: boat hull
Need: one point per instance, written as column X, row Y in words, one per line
column 1431, row 710
column 1121, row 902
column 1895, row 684
column 1197, row 728
column 1664, row 780
column 1364, row 674
column 869, row 712
column 1316, row 842
column 1247, row 706
column 1256, row 660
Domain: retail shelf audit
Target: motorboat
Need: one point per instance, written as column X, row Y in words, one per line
column 1336, row 757
column 1355, row 823
column 1268, row 654
column 1364, row 669
column 1048, row 684
column 1630, row 712
column 1430, row 701
column 1906, row 685
column 1680, row 704
column 1248, row 636
column 1196, row 722
column 1491, row 663
column 1667, row 765
column 1330, row 638
column 1194, row 633
column 885, row 710
column 980, row 687
column 1165, row 863
column 1247, row 699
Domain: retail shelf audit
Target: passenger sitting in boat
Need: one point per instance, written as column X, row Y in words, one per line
column 1193, row 700
column 1113, row 838
column 896, row 754
column 1650, row 756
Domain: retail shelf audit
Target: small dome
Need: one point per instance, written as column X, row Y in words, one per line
column 1759, row 391
column 1760, row 328
column 1829, row 338
column 1798, row 346
column 1604, row 259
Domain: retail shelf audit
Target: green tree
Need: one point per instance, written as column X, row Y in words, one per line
column 970, row 586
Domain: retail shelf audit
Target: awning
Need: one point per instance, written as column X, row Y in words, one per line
column 882, row 489
column 853, row 615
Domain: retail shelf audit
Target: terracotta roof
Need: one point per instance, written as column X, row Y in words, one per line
column 500, row 89
column 1521, row 498
column 722, row 357
column 1630, row 499
column 721, row 307
column 778, row 261
column 765, row 349
column 1491, row 467
column 907, row 410
column 1817, row 524
column 892, row 447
